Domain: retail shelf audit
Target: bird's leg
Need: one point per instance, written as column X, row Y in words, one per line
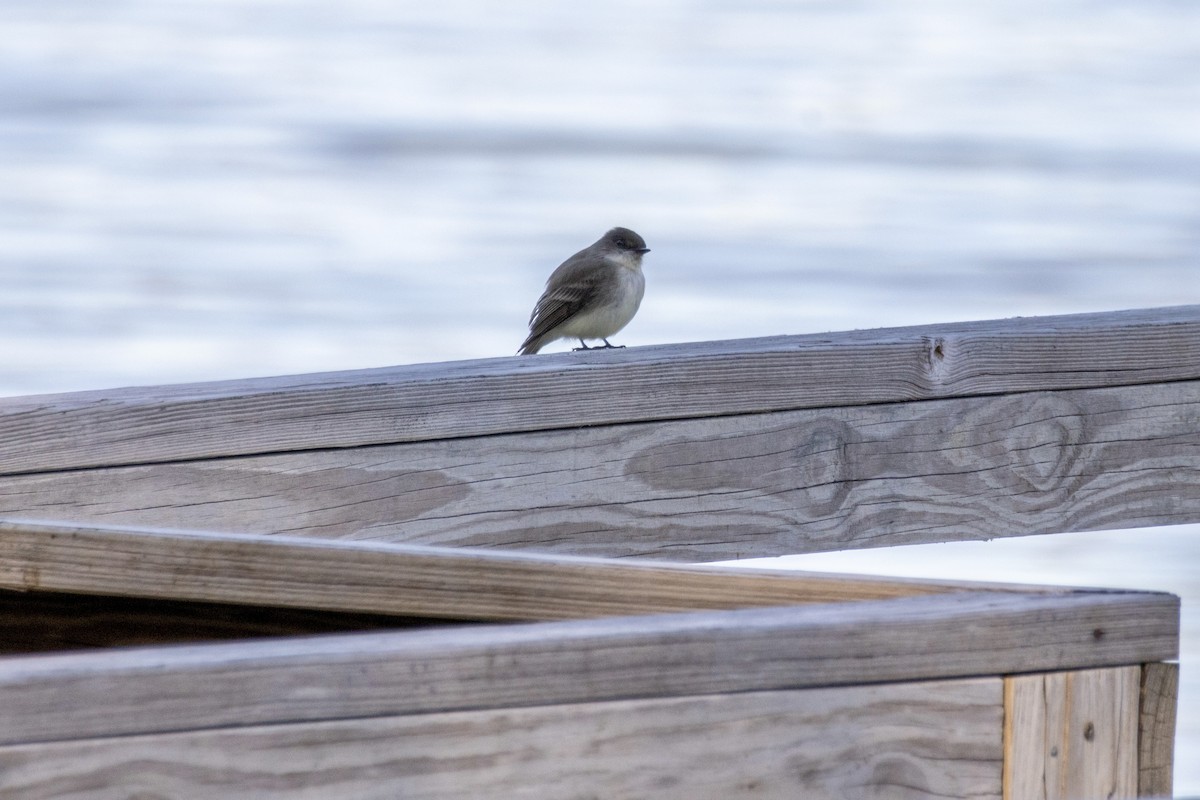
column 607, row 346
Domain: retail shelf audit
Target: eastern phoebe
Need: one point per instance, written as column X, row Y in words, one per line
column 592, row 295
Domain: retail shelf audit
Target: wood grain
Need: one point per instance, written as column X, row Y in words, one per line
column 475, row 398
column 1025, row 731
column 1156, row 730
column 285, row 571
column 720, row 488
column 1072, row 735
column 885, row 741
column 135, row 691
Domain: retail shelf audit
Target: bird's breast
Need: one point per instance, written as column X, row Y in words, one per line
column 612, row 311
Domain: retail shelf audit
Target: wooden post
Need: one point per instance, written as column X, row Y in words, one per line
column 1156, row 729
column 1070, row 735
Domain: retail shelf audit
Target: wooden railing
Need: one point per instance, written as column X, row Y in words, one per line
column 688, row 452
column 769, row 684
column 247, row 510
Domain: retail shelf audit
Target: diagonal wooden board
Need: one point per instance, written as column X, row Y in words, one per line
column 451, row 583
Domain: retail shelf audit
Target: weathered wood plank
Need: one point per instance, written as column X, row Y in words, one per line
column 474, row 398
column 818, row 743
column 475, row 667
column 1156, row 730
column 1072, row 735
column 285, row 571
column 1024, row 738
column 720, row 488
column 43, row 622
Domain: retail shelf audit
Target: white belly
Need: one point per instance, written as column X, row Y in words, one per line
column 608, row 319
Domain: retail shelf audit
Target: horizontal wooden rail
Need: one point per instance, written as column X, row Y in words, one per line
column 818, row 744
column 496, row 396
column 689, row 490
column 338, row 677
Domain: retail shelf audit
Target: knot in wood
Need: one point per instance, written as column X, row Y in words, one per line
column 935, row 358
column 1043, row 440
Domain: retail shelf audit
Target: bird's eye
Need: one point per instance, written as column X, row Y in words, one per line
column 621, row 243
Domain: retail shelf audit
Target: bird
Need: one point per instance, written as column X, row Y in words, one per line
column 592, row 295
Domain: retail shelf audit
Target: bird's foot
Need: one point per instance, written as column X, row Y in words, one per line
column 607, row 346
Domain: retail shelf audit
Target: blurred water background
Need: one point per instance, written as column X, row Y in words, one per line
column 204, row 190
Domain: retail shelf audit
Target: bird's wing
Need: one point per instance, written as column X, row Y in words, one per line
column 558, row 305
column 572, row 287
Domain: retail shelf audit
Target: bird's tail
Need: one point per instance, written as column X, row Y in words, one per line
column 531, row 345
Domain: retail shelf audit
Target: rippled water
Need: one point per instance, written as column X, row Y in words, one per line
column 195, row 190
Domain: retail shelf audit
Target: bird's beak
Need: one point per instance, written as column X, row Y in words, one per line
column 641, row 251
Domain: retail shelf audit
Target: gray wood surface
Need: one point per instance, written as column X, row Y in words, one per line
column 1156, row 729
column 134, row 691
column 473, row 398
column 851, row 742
column 1071, row 735
column 724, row 487
column 284, row 571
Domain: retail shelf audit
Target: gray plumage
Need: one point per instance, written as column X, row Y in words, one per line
column 592, row 295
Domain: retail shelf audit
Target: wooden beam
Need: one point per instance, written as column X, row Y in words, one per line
column 1156, row 730
column 476, row 398
column 135, row 691
column 720, row 488
column 818, row 744
column 285, row 571
column 1071, row 735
